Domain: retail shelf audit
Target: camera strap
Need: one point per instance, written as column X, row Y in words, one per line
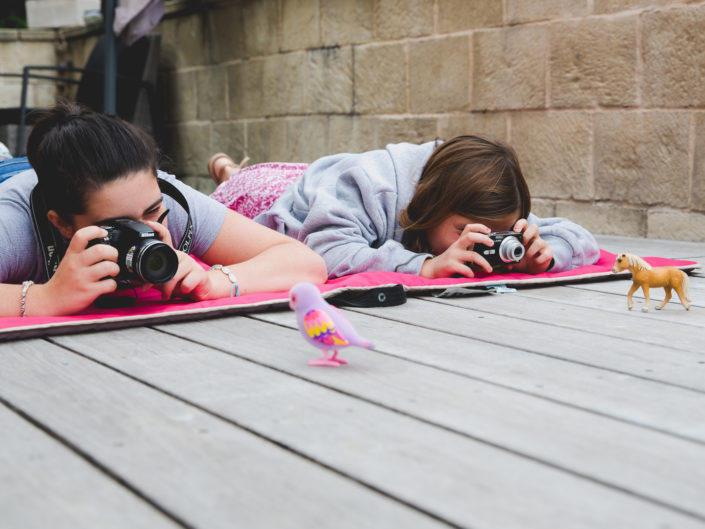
column 172, row 191
column 50, row 240
column 54, row 246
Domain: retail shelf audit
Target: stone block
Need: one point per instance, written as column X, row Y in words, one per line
column 190, row 148
column 672, row 224
column 300, row 24
column 555, row 151
column 519, row 11
column 16, row 55
column 674, row 57
column 461, row 15
column 204, row 184
column 227, row 30
column 439, row 74
column 605, row 218
column 283, row 83
column 212, row 90
column 642, row 157
column 266, row 140
column 607, row 6
column 346, row 22
column 489, row 125
column 183, row 43
column 509, row 68
column 698, row 196
column 406, row 129
column 228, row 137
column 246, row 89
column 261, row 30
column 353, row 133
column 306, row 138
column 380, row 78
column 403, row 18
column 329, row 84
column 181, row 96
column 593, row 62
column 542, row 207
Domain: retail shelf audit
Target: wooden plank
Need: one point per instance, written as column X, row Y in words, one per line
column 596, row 298
column 44, row 484
column 645, row 402
column 676, row 334
column 651, row 247
column 202, row 469
column 620, row 288
column 617, row 354
column 565, row 438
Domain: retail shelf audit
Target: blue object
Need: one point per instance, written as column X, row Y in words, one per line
column 12, row 166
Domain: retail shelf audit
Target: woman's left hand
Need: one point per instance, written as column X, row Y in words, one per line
column 190, row 281
column 537, row 256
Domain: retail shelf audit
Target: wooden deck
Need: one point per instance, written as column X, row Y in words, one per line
column 548, row 407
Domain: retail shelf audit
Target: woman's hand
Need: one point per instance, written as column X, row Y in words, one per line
column 459, row 255
column 82, row 275
column 537, row 256
column 191, row 280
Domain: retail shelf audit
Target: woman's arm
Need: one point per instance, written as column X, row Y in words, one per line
column 261, row 259
column 78, row 281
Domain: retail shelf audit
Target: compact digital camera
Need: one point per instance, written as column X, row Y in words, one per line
column 507, row 248
column 141, row 255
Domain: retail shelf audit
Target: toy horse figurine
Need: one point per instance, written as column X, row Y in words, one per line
column 644, row 276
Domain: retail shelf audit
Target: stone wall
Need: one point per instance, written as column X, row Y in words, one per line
column 604, row 100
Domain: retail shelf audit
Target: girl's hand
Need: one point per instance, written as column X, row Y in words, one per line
column 459, row 255
column 82, row 276
column 538, row 255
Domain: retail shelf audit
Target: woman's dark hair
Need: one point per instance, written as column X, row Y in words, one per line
column 468, row 176
column 76, row 151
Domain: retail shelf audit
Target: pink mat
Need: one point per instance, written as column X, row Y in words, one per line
column 150, row 309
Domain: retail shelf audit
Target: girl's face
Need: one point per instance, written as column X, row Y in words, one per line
column 442, row 236
column 136, row 196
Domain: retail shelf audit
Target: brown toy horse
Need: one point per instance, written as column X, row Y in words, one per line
column 644, row 276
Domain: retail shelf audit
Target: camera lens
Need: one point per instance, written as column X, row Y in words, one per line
column 511, row 250
column 156, row 262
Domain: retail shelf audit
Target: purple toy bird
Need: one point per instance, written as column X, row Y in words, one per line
column 323, row 325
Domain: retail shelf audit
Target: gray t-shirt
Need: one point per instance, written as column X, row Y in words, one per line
column 20, row 254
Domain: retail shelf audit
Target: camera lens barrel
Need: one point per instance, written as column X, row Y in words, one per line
column 152, row 261
column 511, row 250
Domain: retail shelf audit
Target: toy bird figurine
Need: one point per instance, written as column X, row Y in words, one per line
column 323, row 325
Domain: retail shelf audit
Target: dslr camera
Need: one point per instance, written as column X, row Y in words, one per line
column 141, row 255
column 507, row 248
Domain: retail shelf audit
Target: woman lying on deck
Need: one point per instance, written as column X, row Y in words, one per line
column 91, row 169
column 419, row 209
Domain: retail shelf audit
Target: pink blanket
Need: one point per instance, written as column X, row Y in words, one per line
column 150, row 309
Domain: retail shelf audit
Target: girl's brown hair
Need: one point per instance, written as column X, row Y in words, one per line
column 468, row 176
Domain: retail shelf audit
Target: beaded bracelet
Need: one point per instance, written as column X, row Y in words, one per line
column 23, row 303
column 231, row 277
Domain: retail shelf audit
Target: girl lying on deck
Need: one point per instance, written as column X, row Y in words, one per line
column 90, row 169
column 419, row 209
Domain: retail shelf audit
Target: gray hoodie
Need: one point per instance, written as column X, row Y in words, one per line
column 346, row 208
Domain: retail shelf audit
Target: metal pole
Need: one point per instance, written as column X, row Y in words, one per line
column 110, row 74
column 20, row 151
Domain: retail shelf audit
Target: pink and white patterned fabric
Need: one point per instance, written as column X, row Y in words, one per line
column 255, row 188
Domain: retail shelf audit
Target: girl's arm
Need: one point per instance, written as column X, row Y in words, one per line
column 572, row 245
